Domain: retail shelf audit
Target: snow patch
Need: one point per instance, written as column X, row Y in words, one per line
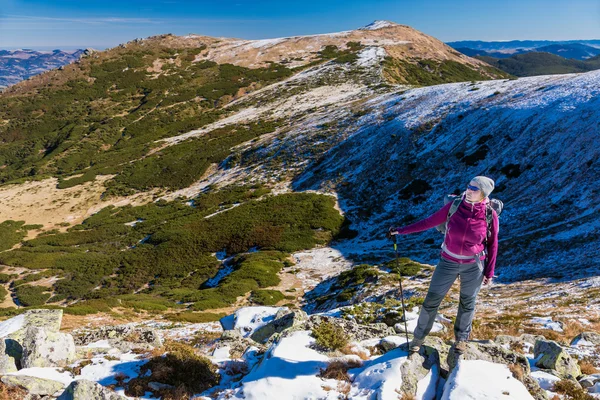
column 478, row 379
column 379, row 24
column 11, row 325
column 247, row 320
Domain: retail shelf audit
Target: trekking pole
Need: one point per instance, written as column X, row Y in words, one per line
column 401, row 291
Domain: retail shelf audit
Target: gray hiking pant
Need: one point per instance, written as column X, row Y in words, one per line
column 446, row 272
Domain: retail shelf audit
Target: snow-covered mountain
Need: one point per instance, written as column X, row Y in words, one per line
column 17, row 65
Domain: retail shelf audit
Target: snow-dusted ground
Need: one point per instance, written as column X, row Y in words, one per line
column 477, row 379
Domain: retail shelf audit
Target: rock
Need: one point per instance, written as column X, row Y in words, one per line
column 435, row 349
column 586, row 339
column 550, row 355
column 88, row 390
column 353, row 329
column 413, row 370
column 587, row 381
column 47, row 349
column 34, row 385
column 392, row 317
column 283, row 320
column 7, row 363
column 234, row 343
column 493, row 352
column 391, row 342
column 123, row 337
column 525, row 338
column 13, row 331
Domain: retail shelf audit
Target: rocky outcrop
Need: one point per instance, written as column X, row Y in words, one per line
column 586, row 339
column 13, row 333
column 34, row 385
column 414, row 370
column 123, row 337
column 354, row 330
column 88, row 390
column 7, row 362
column 550, row 355
column 234, row 344
column 46, row 349
column 284, row 319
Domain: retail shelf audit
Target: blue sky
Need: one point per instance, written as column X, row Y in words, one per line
column 106, row 23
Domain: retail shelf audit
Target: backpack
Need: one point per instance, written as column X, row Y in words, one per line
column 493, row 204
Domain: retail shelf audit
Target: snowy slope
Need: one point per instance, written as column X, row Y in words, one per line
column 537, row 137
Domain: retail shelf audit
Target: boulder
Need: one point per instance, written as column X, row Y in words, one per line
column 234, row 343
column 7, row 362
column 88, row 390
column 586, row 339
column 34, row 385
column 47, row 349
column 392, row 317
column 551, row 355
column 587, row 381
column 414, row 370
column 524, row 338
column 13, row 332
column 391, row 342
column 436, row 350
column 284, row 319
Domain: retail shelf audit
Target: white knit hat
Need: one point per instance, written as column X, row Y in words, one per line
column 485, row 184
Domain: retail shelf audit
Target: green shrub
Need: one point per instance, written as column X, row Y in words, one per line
column 571, row 390
column 86, row 177
column 179, row 367
column 330, row 336
column 11, row 233
column 3, row 293
column 266, row 297
column 5, row 278
column 404, row 267
column 29, row 295
column 195, row 317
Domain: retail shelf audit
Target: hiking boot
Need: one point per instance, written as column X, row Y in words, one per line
column 415, row 346
column 460, row 346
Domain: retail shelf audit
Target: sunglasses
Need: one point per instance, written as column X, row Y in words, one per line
column 472, row 188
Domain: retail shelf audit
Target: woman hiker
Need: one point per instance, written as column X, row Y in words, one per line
column 466, row 252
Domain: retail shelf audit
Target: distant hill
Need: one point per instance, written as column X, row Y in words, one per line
column 18, row 65
column 482, row 53
column 538, row 63
column 572, row 51
column 576, row 51
column 515, row 45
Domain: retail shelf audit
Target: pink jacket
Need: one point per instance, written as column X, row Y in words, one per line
column 465, row 234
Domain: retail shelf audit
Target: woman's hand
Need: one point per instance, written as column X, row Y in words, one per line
column 487, row 281
column 391, row 232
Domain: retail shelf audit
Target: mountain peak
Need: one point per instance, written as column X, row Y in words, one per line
column 378, row 24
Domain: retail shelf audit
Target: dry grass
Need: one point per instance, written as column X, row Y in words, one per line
column 405, row 396
column 517, row 347
column 571, row 390
column 338, row 370
column 517, row 372
column 353, row 350
column 77, row 369
column 11, row 392
column 587, row 367
column 204, row 338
